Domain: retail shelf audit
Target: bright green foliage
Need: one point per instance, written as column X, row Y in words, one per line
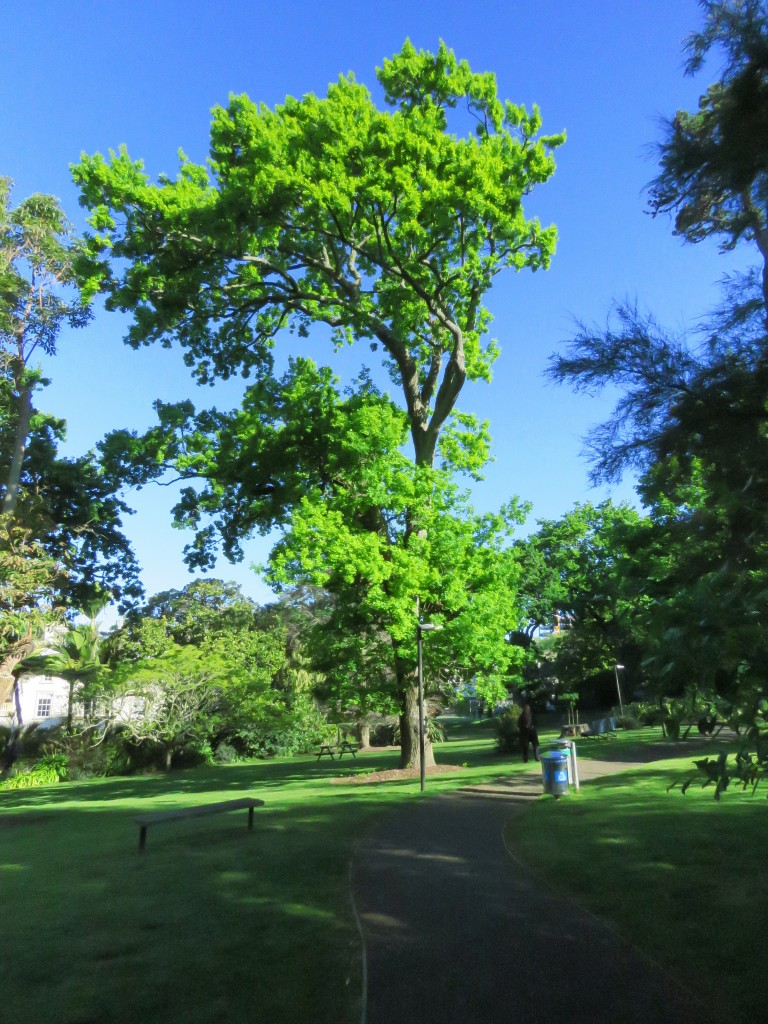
column 360, row 521
column 384, row 226
column 388, row 226
column 30, row 778
column 458, row 567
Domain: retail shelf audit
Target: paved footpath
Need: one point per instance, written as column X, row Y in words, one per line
column 455, row 931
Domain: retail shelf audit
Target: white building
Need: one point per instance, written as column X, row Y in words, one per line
column 36, row 698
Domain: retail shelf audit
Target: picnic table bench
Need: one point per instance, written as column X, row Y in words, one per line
column 159, row 817
column 574, row 729
column 600, row 729
column 706, row 727
column 345, row 747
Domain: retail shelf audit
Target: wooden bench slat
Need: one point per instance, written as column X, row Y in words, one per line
column 158, row 817
column 198, row 812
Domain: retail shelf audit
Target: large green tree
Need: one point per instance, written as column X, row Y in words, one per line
column 386, row 226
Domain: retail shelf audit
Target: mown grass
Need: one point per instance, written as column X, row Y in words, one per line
column 212, row 922
column 683, row 877
column 215, row 923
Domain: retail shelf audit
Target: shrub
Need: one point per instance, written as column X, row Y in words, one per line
column 433, row 730
column 192, row 755
column 283, row 731
column 627, row 722
column 5, row 741
column 225, row 753
column 507, row 731
column 30, row 740
column 46, row 772
column 57, row 762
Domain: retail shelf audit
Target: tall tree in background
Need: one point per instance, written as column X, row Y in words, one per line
column 67, row 506
column 579, row 570
column 37, row 253
column 693, row 419
column 385, row 226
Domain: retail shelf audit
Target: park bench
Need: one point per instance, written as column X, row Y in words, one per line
column 160, row 817
column 601, row 728
column 345, row 747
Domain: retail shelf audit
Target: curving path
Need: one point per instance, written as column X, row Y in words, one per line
column 455, row 931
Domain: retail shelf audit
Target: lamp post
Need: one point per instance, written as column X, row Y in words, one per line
column 618, row 687
column 421, row 628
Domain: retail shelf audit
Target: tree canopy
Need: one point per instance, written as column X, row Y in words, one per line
column 384, row 225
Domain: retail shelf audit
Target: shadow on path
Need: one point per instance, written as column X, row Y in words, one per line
column 455, row 931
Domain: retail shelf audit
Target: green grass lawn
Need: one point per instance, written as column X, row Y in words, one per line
column 215, row 923
column 212, row 923
column 683, row 877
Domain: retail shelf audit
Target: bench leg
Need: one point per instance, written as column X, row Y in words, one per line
column 250, row 819
column 142, row 837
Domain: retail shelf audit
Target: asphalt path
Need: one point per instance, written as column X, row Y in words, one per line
column 454, row 930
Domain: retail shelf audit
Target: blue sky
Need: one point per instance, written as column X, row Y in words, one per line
column 84, row 76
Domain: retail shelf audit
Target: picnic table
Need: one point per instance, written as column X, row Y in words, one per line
column 342, row 748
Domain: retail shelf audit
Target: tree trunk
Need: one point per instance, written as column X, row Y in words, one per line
column 19, row 448
column 409, row 729
column 364, row 731
column 70, row 704
column 168, row 758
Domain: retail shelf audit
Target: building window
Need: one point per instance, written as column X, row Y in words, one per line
column 44, row 701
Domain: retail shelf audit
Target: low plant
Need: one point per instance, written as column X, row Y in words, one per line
column 627, row 722
column 46, row 772
column 507, row 730
column 749, row 767
column 225, row 753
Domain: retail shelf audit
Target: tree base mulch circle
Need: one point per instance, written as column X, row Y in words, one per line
column 394, row 775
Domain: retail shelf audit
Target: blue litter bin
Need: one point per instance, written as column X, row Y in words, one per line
column 554, row 770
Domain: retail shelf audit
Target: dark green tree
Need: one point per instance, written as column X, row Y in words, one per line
column 692, row 416
column 577, row 576
column 69, row 507
column 37, row 254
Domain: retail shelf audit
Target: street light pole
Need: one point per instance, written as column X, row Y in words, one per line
column 421, row 628
column 618, row 687
column 422, row 771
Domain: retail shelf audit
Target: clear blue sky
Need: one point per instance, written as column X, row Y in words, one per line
column 81, row 75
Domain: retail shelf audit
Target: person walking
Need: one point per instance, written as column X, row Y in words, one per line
column 528, row 733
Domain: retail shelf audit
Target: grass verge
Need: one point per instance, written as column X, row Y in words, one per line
column 684, row 878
